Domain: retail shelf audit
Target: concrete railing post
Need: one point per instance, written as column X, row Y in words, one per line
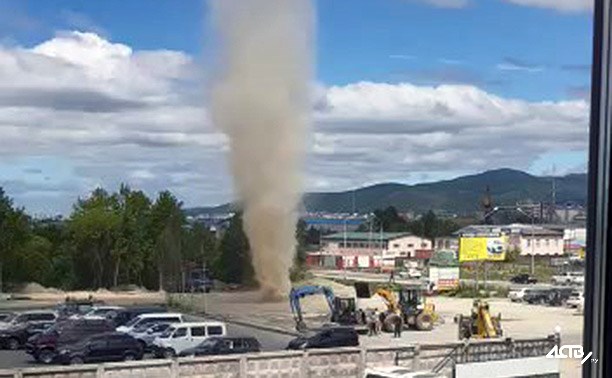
column 363, row 361
column 100, row 371
column 416, row 360
column 244, row 364
column 174, row 369
column 18, row 374
column 304, row 369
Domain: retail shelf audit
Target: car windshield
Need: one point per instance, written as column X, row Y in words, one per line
column 167, row 333
column 100, row 311
column 132, row 322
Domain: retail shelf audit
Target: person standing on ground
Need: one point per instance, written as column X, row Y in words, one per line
column 397, row 325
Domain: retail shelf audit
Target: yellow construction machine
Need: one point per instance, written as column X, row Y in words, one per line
column 406, row 301
column 480, row 324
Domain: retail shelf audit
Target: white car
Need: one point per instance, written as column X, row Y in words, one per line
column 569, row 278
column 99, row 312
column 181, row 336
column 517, row 295
column 143, row 320
column 29, row 317
column 576, row 299
column 412, row 273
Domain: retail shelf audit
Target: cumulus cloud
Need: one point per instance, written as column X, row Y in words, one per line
column 559, row 5
column 113, row 114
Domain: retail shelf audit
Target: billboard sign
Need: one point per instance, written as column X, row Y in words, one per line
column 482, row 248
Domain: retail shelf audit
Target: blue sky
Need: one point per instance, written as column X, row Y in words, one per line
column 534, row 51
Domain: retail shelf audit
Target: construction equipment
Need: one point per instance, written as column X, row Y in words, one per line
column 343, row 310
column 480, row 324
column 406, row 301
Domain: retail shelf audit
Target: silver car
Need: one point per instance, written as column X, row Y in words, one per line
column 147, row 335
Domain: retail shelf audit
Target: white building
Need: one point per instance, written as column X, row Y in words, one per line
column 372, row 250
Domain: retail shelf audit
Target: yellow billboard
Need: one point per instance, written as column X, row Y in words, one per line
column 481, row 248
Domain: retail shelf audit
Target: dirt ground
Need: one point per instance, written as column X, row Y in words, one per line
column 34, row 295
column 518, row 320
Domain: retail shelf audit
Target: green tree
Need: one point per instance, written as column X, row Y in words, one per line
column 233, row 263
column 134, row 244
column 299, row 262
column 94, row 226
column 167, row 221
column 13, row 233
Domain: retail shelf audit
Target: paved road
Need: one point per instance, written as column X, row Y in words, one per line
column 269, row 341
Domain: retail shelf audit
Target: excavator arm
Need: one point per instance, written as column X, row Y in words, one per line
column 297, row 293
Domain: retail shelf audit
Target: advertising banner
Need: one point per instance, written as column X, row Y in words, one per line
column 482, row 248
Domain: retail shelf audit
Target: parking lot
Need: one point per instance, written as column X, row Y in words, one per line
column 269, row 341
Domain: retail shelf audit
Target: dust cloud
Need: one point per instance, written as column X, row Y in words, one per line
column 261, row 100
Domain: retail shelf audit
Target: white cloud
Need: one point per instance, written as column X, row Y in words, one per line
column 506, row 66
column 110, row 113
column 559, row 5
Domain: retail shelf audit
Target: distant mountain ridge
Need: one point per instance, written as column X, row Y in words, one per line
column 460, row 195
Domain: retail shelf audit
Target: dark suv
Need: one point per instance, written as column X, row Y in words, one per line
column 113, row 346
column 523, row 278
column 224, row 345
column 328, row 337
column 536, row 296
column 43, row 347
column 16, row 336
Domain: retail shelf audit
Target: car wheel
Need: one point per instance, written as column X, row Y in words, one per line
column 424, row 322
column 46, row 356
column 169, row 353
column 13, row 343
column 129, row 357
column 76, row 360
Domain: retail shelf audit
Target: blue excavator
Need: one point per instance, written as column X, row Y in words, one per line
column 343, row 310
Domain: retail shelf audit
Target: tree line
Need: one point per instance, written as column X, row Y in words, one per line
column 112, row 239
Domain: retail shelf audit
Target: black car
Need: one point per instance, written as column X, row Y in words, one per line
column 113, row 346
column 6, row 317
column 44, row 346
column 15, row 337
column 537, row 296
column 224, row 345
column 523, row 279
column 328, row 337
column 558, row 296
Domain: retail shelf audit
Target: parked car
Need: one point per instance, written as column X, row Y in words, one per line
column 568, row 278
column 30, row 316
column 202, row 285
column 223, row 345
column 523, row 279
column 6, row 317
column 44, row 346
column 149, row 335
column 327, row 337
column 143, row 320
column 536, row 296
column 99, row 312
column 76, row 307
column 412, row 273
column 517, row 295
column 179, row 337
column 114, row 346
column 15, row 337
column 576, row 299
column 558, row 296
column 127, row 314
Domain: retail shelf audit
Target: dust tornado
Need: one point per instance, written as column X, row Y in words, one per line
column 261, row 100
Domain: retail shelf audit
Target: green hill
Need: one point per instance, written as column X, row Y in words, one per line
column 460, row 195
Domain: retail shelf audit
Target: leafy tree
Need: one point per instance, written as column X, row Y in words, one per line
column 13, row 233
column 167, row 221
column 94, row 226
column 233, row 263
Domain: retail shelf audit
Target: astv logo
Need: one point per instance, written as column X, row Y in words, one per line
column 570, row 351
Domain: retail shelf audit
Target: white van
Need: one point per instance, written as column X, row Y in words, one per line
column 181, row 336
column 144, row 320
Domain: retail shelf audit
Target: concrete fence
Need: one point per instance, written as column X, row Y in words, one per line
column 338, row 362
